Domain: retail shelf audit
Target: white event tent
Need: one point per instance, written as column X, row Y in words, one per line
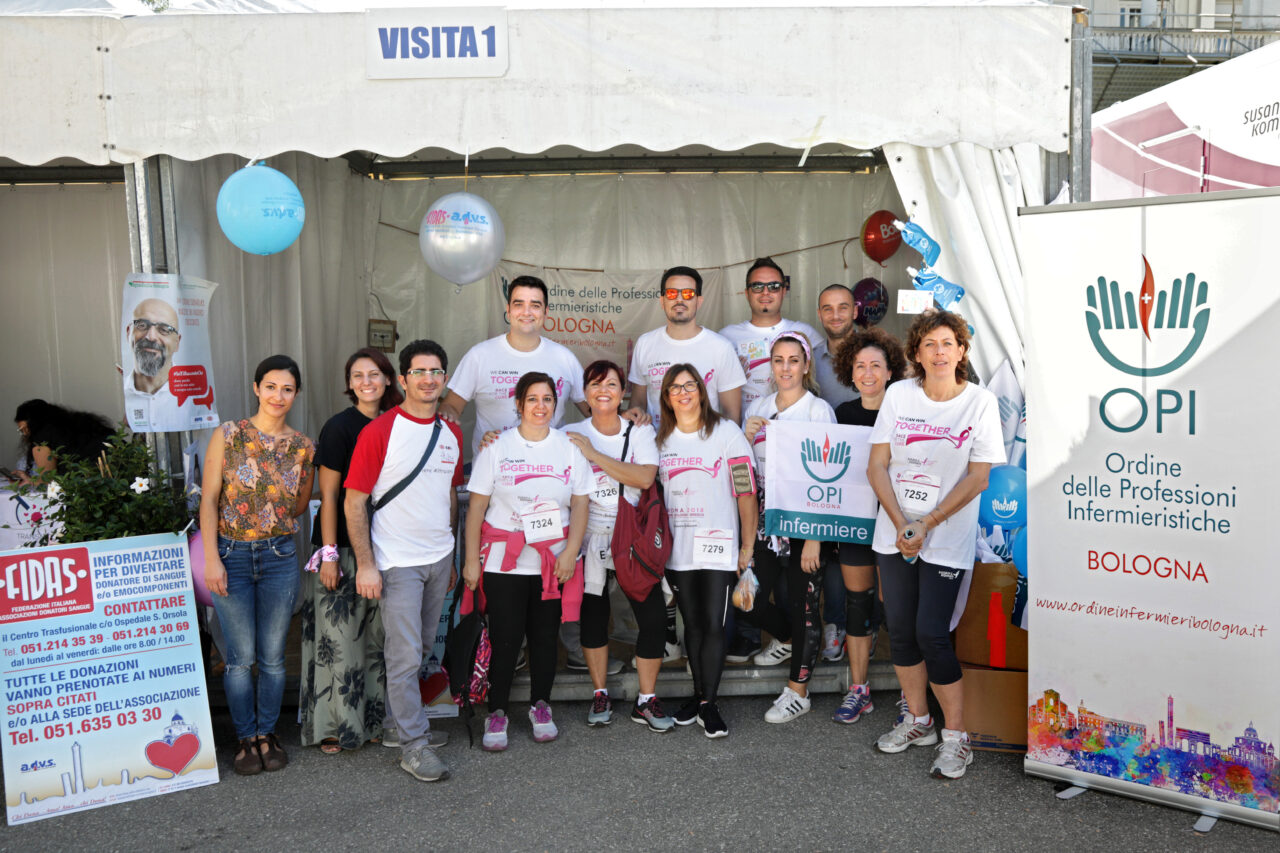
column 966, row 102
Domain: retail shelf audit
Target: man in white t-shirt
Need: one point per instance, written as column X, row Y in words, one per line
column 837, row 310
column 766, row 290
column 488, row 373
column 683, row 341
column 407, row 561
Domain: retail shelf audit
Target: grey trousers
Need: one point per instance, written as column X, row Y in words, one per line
column 412, row 597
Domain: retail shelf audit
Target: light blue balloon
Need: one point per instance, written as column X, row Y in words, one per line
column 1020, row 551
column 1005, row 500
column 260, row 210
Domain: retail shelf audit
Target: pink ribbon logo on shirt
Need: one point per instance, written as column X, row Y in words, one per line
column 712, row 471
column 956, row 440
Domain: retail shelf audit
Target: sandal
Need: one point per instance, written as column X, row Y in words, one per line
column 274, row 756
column 330, row 746
column 248, row 762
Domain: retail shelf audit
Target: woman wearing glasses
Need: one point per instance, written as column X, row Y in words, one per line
column 343, row 693
column 530, row 491
column 705, row 466
column 257, row 480
column 798, row 636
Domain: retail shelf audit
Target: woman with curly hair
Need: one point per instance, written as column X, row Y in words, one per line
column 932, row 447
column 343, row 693
column 868, row 361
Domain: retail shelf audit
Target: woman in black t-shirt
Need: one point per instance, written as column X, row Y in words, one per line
column 868, row 361
column 343, row 695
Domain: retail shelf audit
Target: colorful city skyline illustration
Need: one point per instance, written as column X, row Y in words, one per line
column 1245, row 773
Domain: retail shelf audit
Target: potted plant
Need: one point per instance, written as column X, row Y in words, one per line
column 123, row 492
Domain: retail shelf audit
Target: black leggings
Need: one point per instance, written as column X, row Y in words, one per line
column 919, row 599
column 651, row 616
column 703, row 596
column 805, row 622
column 515, row 609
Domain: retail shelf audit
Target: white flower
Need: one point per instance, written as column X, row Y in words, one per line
column 140, row 484
column 53, row 492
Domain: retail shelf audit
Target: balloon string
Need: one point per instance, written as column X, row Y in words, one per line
column 466, row 169
column 845, row 240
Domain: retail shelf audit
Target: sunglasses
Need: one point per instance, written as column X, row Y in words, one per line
column 679, row 293
column 761, row 286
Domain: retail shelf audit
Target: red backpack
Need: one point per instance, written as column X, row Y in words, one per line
column 641, row 538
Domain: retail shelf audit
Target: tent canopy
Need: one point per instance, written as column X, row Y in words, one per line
column 123, row 89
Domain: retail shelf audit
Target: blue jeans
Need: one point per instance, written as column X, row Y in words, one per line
column 262, row 585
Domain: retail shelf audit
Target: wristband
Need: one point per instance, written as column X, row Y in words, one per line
column 327, row 554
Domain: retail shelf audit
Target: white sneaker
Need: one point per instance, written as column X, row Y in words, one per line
column 787, row 707
column 832, row 643
column 773, row 654
column 906, row 734
column 544, row 728
column 954, row 757
column 495, row 732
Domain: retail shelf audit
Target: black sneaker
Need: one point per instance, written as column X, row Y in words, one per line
column 712, row 723
column 741, row 650
column 688, row 713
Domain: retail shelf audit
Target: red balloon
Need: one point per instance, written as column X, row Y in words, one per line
column 880, row 239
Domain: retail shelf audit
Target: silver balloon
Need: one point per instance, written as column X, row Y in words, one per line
column 461, row 238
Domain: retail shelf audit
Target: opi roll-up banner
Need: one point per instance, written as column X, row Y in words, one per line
column 1154, row 646
column 816, row 482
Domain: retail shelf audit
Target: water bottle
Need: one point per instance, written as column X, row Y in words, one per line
column 917, row 238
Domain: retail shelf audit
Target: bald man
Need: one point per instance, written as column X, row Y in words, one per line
column 154, row 338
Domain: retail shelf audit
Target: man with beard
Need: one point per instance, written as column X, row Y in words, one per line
column 766, row 288
column 149, row 403
column 682, row 340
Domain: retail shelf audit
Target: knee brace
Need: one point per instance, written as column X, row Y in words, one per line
column 859, row 607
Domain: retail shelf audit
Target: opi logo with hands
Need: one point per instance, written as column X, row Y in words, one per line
column 1178, row 316
column 825, row 459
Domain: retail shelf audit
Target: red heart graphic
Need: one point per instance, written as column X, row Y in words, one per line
column 175, row 756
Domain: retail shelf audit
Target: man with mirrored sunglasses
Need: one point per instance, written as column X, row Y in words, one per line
column 682, row 340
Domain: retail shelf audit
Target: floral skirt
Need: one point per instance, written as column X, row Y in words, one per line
column 344, row 678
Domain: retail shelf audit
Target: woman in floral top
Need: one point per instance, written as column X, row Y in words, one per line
column 257, row 480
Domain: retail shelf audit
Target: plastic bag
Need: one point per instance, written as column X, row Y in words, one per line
column 744, row 594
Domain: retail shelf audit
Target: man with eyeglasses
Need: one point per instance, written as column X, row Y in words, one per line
column 683, row 341
column 766, row 289
column 409, row 461
column 154, row 338
column 488, row 373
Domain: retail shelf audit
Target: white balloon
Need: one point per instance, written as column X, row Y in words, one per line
column 461, row 238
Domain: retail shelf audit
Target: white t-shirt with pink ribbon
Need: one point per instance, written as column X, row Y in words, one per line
column 698, row 490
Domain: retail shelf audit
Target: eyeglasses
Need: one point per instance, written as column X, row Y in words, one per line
column 141, row 327
column 759, row 286
column 688, row 387
column 681, row 293
column 419, row 372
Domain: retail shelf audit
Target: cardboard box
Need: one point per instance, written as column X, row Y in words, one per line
column 985, row 636
column 995, row 708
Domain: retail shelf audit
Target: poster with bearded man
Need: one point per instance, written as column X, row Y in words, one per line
column 164, row 353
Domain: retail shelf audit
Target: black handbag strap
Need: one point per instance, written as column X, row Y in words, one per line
column 399, row 487
column 626, row 441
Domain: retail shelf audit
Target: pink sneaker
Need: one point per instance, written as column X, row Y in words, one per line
column 544, row 728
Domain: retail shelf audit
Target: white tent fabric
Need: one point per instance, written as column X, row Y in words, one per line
column 256, row 85
column 967, row 198
column 66, row 256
